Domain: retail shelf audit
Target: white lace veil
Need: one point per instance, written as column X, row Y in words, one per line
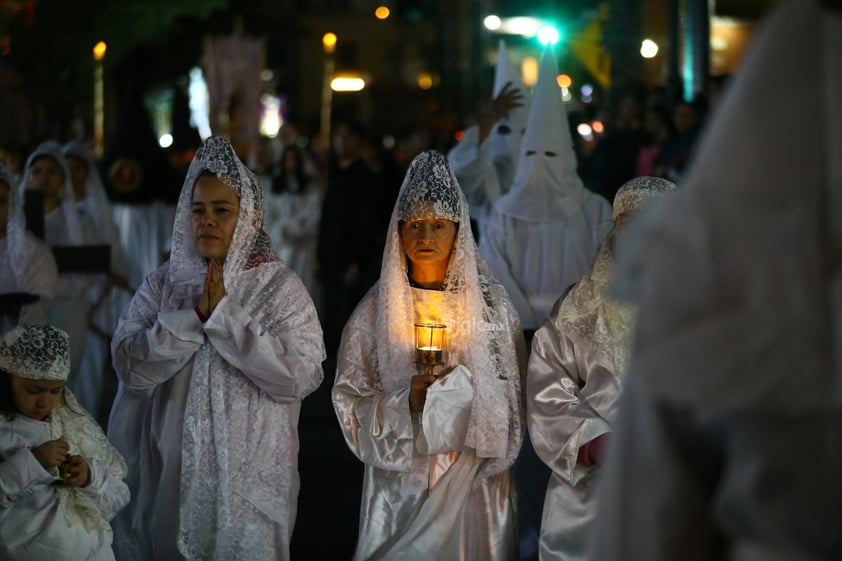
column 588, row 313
column 52, row 149
column 546, row 186
column 95, row 196
column 42, row 352
column 250, row 244
column 481, row 336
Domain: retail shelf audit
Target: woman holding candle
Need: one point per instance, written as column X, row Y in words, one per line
column 214, row 355
column 437, row 446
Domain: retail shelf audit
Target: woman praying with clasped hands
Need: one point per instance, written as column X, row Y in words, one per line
column 214, row 355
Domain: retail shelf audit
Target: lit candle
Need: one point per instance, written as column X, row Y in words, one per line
column 429, row 344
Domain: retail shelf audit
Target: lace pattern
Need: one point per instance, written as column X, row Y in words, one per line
column 587, row 312
column 483, row 329
column 236, row 468
column 37, row 352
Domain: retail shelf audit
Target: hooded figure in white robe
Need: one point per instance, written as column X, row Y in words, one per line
column 207, row 407
column 728, row 442
column 574, row 378
column 27, row 269
column 544, row 234
column 71, row 306
column 485, row 167
column 42, row 517
column 437, row 482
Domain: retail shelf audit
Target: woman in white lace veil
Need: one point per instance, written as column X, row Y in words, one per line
column 214, row 355
column 574, row 378
column 61, row 479
column 27, row 269
column 436, row 448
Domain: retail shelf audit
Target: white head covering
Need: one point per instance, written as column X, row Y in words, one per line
column 738, row 275
column 36, row 352
column 52, row 149
column 479, row 331
column 506, row 136
column 587, row 313
column 250, row 244
column 96, row 200
column 42, row 352
column 546, row 187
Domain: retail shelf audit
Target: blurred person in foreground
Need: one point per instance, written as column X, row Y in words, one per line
column 728, row 443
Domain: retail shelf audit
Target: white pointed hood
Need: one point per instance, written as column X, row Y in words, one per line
column 506, row 136
column 546, row 187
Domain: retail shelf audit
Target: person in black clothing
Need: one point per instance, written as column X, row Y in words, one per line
column 350, row 231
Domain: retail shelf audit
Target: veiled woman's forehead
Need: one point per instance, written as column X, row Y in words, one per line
column 423, row 210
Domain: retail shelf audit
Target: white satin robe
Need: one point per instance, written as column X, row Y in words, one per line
column 570, row 400
column 32, row 522
column 424, row 497
column 153, row 356
column 537, row 261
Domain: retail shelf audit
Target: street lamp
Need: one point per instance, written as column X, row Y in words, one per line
column 329, row 44
column 99, row 100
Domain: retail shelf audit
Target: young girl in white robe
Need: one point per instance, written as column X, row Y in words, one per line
column 60, row 480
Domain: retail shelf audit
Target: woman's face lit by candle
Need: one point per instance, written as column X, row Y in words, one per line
column 428, row 242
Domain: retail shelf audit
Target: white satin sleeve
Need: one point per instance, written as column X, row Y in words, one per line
column 110, row 493
column 19, row 472
column 377, row 425
column 447, row 413
column 151, row 346
column 559, row 416
column 269, row 358
column 472, row 166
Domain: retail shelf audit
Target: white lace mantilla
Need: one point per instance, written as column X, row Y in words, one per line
column 481, row 328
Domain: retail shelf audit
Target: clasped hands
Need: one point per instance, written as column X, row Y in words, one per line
column 213, row 290
column 74, row 469
column 418, row 387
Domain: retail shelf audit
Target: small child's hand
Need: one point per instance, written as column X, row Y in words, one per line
column 52, row 453
column 79, row 472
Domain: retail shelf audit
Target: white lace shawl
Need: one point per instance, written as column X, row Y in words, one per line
column 225, row 443
column 52, row 149
column 483, row 330
column 86, row 438
column 588, row 313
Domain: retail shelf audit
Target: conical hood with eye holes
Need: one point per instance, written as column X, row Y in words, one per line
column 546, row 186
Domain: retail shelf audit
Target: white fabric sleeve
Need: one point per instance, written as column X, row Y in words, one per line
column 447, row 412
column 377, row 425
column 18, row 474
column 111, row 494
column 270, row 360
column 559, row 418
column 150, row 347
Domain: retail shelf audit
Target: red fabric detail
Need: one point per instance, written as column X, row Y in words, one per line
column 258, row 259
column 592, row 452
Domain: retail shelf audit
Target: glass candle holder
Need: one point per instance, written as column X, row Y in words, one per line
column 430, row 343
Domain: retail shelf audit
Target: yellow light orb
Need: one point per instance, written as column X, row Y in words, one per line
column 382, row 12
column 99, row 50
column 329, row 42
